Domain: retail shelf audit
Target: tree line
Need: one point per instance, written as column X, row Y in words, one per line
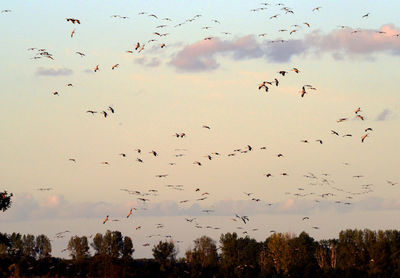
column 356, row 253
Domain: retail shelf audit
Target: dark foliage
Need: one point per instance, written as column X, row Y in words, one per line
column 356, row 253
column 5, row 200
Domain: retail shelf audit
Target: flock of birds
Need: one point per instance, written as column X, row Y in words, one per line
column 328, row 191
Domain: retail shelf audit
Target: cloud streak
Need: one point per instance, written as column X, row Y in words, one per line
column 203, row 55
column 384, row 115
column 26, row 207
column 53, row 72
column 153, row 62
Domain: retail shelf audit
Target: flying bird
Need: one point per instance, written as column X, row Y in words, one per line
column 366, row 15
column 303, row 91
column 105, row 220
column 73, row 20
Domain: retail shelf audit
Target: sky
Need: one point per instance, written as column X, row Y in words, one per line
column 349, row 56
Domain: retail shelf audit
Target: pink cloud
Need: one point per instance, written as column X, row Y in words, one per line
column 25, row 207
column 203, row 55
column 52, row 201
column 352, row 41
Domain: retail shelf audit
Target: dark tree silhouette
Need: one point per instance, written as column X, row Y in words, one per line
column 78, row 247
column 43, row 246
column 5, row 200
column 164, row 252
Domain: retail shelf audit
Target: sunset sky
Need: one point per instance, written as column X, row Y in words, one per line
column 192, row 82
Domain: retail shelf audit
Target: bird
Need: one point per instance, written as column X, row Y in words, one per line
column 111, row 109
column 282, row 72
column 319, row 140
column 105, row 220
column 303, row 91
column 206, row 126
column 316, row 9
column 391, row 183
column 341, row 120
column 80, row 53
column 363, row 137
column 114, row 66
column 334, row 132
column 96, row 68
column 154, row 153
column 72, row 159
column 305, row 218
column 366, row 15
column 72, row 33
column 104, row 114
column 129, row 214
column 368, row 129
column 360, row 117
column 91, row 112
column 197, row 163
column 357, row 110
column 263, row 85
column 295, row 70
column 73, row 20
